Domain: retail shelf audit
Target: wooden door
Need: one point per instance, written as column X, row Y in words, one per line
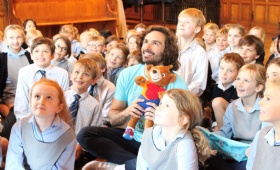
column 250, row 13
column 236, row 11
column 267, row 15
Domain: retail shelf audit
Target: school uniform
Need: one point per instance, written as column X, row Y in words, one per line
column 30, row 74
column 229, row 93
column 112, row 75
column 194, row 67
column 215, row 72
column 155, row 154
column 264, row 151
column 89, row 112
column 54, row 148
column 240, row 124
column 103, row 92
column 62, row 64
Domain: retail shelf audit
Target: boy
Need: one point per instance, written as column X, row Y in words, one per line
column 84, row 109
column 110, row 42
column 209, row 36
column 116, row 59
column 96, row 44
column 13, row 58
column 193, row 59
column 42, row 51
column 264, row 149
column 84, row 37
column 220, row 50
column 133, row 58
column 224, row 91
column 250, row 49
column 102, row 90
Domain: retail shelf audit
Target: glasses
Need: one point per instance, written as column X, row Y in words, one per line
column 94, row 45
column 64, row 49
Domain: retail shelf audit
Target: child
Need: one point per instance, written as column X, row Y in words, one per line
column 87, row 111
column 224, row 91
column 96, row 44
column 84, row 38
column 129, row 33
column 102, row 90
column 164, row 146
column 273, row 69
column 69, row 31
column 140, row 28
column 116, row 59
column 209, row 36
column 110, row 42
column 29, row 24
column 274, row 49
column 193, row 59
column 241, row 120
column 133, row 58
column 235, row 33
column 30, row 36
column 264, row 149
column 42, row 51
column 134, row 42
column 43, row 140
column 12, row 60
column 62, row 50
column 250, row 48
column 215, row 57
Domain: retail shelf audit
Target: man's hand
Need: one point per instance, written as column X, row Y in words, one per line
column 134, row 109
column 150, row 111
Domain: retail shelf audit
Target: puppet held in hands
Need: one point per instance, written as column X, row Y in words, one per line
column 158, row 78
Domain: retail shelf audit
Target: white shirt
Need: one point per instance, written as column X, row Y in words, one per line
column 89, row 113
column 194, row 67
column 27, row 76
column 103, row 92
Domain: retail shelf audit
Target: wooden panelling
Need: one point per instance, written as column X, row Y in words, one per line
column 234, row 16
column 273, row 18
column 249, row 13
column 259, row 13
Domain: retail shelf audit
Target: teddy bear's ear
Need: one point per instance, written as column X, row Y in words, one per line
column 170, row 67
column 149, row 66
column 173, row 79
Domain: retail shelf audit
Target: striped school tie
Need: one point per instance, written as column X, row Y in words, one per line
column 43, row 73
column 74, row 107
column 91, row 89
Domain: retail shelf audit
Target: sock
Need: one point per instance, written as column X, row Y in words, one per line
column 120, row 167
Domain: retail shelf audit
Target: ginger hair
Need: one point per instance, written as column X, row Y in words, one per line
column 64, row 113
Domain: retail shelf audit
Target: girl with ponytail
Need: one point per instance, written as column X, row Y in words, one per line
column 175, row 142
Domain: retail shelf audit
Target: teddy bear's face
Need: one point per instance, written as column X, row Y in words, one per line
column 161, row 75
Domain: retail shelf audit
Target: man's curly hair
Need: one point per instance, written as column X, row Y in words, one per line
column 171, row 52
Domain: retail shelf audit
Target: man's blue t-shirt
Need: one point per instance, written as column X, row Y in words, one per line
column 128, row 91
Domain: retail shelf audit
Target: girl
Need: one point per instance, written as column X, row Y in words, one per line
column 241, row 120
column 43, row 140
column 273, row 69
column 235, row 33
column 29, row 24
column 61, row 53
column 174, row 143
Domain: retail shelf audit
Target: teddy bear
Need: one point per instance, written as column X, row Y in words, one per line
column 158, row 78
